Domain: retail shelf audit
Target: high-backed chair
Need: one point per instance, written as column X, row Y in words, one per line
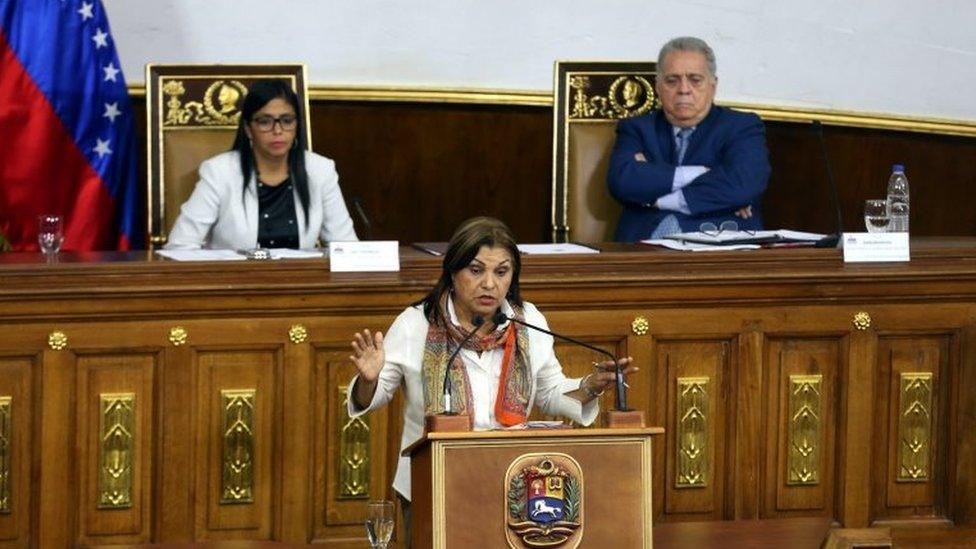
column 193, row 112
column 590, row 96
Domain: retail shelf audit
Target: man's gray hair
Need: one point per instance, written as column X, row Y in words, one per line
column 688, row 43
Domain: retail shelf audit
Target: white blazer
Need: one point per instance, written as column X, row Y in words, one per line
column 217, row 217
column 404, row 346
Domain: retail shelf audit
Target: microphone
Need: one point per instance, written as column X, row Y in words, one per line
column 829, row 241
column 367, row 226
column 476, row 321
column 621, row 398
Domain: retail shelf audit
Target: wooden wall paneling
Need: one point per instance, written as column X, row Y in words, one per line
column 18, row 423
column 500, row 159
column 238, row 432
column 411, row 164
column 799, row 196
column 962, row 477
column 294, row 511
column 611, row 331
column 350, row 459
column 857, row 389
column 911, row 407
column 800, row 426
column 115, row 431
column 749, row 413
column 57, row 521
column 174, row 519
column 695, row 373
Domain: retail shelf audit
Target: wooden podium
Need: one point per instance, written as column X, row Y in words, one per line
column 532, row 487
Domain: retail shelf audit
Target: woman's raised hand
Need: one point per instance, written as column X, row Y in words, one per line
column 368, row 354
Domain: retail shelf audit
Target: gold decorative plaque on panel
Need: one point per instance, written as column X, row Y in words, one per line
column 914, row 426
column 6, row 451
column 804, row 430
column 354, row 451
column 237, row 453
column 692, row 433
column 117, row 441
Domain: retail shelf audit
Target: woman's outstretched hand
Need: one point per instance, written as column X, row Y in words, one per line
column 368, row 354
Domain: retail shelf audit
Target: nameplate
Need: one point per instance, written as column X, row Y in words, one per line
column 864, row 247
column 364, row 256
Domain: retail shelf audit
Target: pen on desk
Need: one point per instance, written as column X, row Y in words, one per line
column 789, row 244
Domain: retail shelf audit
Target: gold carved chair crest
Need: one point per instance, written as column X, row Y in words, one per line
column 590, row 96
column 192, row 114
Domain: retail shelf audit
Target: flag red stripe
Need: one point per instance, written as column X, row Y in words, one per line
column 42, row 170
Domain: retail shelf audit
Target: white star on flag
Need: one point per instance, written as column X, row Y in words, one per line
column 100, row 38
column 86, row 11
column 101, row 147
column 112, row 110
column 110, row 72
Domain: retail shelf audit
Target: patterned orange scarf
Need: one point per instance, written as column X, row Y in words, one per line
column 511, row 402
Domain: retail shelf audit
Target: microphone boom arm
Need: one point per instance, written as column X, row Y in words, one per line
column 620, row 402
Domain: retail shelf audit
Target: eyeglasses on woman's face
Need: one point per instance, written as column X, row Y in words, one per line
column 265, row 123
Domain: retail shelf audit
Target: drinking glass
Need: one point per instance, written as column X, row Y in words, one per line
column 379, row 523
column 876, row 217
column 49, row 233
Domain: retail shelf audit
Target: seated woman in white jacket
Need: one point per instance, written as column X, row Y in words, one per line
column 267, row 191
column 501, row 373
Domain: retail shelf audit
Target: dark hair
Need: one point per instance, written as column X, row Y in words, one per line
column 462, row 249
column 258, row 95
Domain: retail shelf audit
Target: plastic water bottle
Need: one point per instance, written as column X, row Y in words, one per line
column 898, row 204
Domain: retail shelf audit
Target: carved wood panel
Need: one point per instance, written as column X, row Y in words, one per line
column 115, row 397
column 801, row 428
column 694, row 373
column 912, row 405
column 16, row 447
column 238, row 414
column 351, row 455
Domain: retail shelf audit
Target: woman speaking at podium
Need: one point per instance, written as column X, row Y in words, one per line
column 502, row 372
column 267, row 191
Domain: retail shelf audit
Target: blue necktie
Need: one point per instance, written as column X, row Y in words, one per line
column 684, row 134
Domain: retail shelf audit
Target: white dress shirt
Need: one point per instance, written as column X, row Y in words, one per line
column 683, row 175
column 404, row 347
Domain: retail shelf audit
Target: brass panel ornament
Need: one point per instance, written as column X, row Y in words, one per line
column 297, row 333
column 914, row 427
column 804, row 430
column 178, row 335
column 544, row 501
column 692, row 433
column 354, row 451
column 6, row 452
column 237, row 452
column 597, row 96
column 640, row 326
column 57, row 340
column 215, row 106
column 862, row 321
column 117, row 441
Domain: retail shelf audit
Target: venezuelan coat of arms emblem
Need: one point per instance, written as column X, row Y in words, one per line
column 544, row 501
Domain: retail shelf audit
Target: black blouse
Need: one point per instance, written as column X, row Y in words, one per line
column 277, row 224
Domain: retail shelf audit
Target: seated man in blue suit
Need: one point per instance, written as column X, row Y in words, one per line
column 690, row 162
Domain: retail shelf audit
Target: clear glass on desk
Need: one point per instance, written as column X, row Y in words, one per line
column 50, row 234
column 379, row 523
column 876, row 217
